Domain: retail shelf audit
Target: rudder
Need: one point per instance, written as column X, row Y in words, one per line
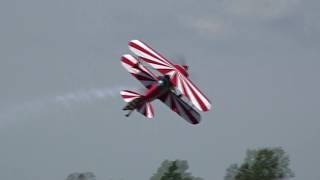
column 146, row 109
column 135, row 101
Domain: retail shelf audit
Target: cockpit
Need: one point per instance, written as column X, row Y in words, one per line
column 161, row 82
column 164, row 80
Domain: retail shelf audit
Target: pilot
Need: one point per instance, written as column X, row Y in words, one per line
column 164, row 80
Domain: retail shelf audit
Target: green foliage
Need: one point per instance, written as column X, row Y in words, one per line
column 172, row 174
column 173, row 170
column 82, row 176
column 262, row 164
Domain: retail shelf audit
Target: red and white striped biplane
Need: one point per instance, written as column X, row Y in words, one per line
column 171, row 86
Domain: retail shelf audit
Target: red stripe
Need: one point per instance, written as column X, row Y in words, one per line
column 167, row 61
column 143, row 78
column 184, row 90
column 136, row 46
column 127, row 61
column 128, row 97
column 132, row 92
column 152, row 62
column 174, row 79
column 198, row 90
column 165, row 71
column 203, row 106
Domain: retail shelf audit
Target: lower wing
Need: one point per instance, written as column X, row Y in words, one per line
column 183, row 109
column 137, row 70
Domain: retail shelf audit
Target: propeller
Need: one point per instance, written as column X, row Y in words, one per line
column 179, row 59
column 182, row 60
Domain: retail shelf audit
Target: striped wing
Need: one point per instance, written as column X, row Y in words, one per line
column 183, row 109
column 164, row 66
column 137, row 70
column 129, row 96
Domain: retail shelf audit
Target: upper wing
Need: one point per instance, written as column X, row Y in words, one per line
column 137, row 70
column 183, row 109
column 156, row 60
column 182, row 83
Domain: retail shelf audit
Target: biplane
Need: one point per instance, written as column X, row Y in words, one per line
column 171, row 86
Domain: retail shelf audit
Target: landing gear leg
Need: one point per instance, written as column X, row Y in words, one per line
column 129, row 113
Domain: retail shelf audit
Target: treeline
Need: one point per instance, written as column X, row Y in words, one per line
column 258, row 164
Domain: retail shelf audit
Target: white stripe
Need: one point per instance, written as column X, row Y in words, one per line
column 179, row 84
column 126, row 93
column 130, row 58
column 191, row 96
column 200, row 95
column 171, row 73
column 147, row 56
column 149, row 111
column 139, row 43
column 147, row 71
column 130, row 68
column 157, row 66
column 129, row 99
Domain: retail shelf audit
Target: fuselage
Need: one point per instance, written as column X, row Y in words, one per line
column 158, row 88
column 154, row 91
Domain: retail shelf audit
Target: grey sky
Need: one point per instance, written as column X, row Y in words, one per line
column 258, row 62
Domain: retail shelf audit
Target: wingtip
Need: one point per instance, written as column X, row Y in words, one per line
column 135, row 41
column 205, row 108
column 129, row 57
column 208, row 107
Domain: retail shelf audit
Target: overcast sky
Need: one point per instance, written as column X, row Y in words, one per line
column 60, row 112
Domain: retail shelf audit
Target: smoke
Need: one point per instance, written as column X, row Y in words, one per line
column 66, row 100
column 85, row 96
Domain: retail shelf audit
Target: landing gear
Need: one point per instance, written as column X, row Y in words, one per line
column 129, row 113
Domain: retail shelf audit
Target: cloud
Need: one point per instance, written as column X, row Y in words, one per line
column 207, row 25
column 311, row 24
column 255, row 19
column 265, row 9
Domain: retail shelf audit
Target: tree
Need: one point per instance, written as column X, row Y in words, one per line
column 231, row 172
column 262, row 164
column 81, row 176
column 173, row 170
column 172, row 174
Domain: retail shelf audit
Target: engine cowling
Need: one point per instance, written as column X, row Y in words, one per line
column 183, row 69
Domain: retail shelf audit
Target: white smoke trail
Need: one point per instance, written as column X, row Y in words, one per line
column 86, row 95
column 66, row 100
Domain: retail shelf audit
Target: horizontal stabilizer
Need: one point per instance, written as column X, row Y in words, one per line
column 135, row 101
column 129, row 96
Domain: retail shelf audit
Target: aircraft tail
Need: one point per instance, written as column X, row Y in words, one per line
column 136, row 101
